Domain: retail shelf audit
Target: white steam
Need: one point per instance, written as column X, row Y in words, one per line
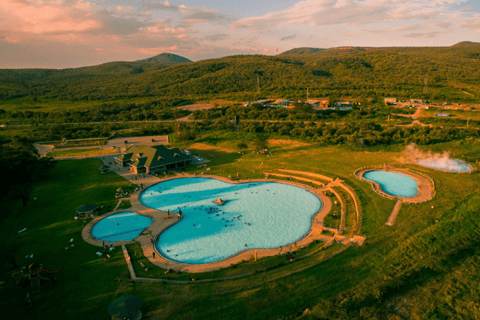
column 439, row 161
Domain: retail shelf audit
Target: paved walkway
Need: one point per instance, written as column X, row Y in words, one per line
column 393, row 215
column 129, row 262
column 310, row 174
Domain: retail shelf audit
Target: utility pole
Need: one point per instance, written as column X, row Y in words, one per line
column 425, row 82
column 307, row 94
column 258, row 84
column 468, row 122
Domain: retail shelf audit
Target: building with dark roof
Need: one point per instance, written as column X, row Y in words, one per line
column 153, row 159
column 87, row 210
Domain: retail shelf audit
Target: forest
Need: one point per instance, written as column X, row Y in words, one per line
column 433, row 73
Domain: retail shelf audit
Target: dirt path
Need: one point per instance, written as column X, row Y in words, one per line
column 393, row 215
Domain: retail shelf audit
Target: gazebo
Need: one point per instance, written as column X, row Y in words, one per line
column 104, row 168
column 87, row 210
column 126, row 307
column 122, row 191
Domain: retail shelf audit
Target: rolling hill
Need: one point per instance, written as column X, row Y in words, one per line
column 348, row 72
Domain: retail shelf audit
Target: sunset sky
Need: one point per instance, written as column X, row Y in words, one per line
column 73, row 33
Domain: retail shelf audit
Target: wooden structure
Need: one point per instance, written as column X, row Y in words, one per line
column 87, row 210
column 153, row 159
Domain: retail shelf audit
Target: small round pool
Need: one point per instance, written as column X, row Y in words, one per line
column 123, row 226
column 446, row 164
column 393, row 183
column 257, row 215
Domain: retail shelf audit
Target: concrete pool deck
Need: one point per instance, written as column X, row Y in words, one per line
column 161, row 222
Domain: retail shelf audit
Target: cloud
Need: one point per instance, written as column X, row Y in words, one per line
column 427, row 35
column 216, row 37
column 293, row 36
column 161, row 6
column 200, row 16
column 318, row 12
column 38, row 17
column 124, row 9
column 472, row 24
column 157, row 50
column 350, row 12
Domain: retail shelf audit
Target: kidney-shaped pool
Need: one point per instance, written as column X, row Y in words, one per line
column 256, row 215
column 393, row 183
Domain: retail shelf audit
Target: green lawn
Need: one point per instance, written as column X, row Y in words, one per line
column 335, row 288
column 82, row 152
column 350, row 212
column 454, row 114
column 50, row 226
column 332, row 219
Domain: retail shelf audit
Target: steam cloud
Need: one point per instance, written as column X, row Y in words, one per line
column 439, row 161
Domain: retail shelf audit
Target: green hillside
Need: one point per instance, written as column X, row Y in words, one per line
column 347, row 72
column 301, row 51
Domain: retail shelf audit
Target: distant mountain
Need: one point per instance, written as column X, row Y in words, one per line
column 465, row 44
column 371, row 73
column 304, row 50
column 165, row 58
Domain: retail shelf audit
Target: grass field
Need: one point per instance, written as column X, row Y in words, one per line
column 82, row 152
column 350, row 212
column 454, row 114
column 336, row 288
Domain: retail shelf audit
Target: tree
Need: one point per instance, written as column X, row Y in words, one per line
column 242, row 145
column 20, row 159
column 261, row 141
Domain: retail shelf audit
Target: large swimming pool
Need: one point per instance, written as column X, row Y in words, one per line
column 394, row 183
column 256, row 215
column 121, row 226
column 446, row 164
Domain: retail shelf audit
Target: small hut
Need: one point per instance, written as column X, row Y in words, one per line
column 87, row 210
column 126, row 307
column 121, row 191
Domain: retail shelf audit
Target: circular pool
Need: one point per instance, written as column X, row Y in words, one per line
column 123, row 226
column 394, row 183
column 255, row 215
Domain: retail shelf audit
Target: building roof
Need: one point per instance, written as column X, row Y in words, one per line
column 86, row 208
column 153, row 156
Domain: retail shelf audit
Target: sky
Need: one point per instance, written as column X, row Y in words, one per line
column 74, row 33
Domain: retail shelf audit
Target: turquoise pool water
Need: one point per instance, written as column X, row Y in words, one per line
column 393, row 183
column 121, row 226
column 258, row 215
column 452, row 165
